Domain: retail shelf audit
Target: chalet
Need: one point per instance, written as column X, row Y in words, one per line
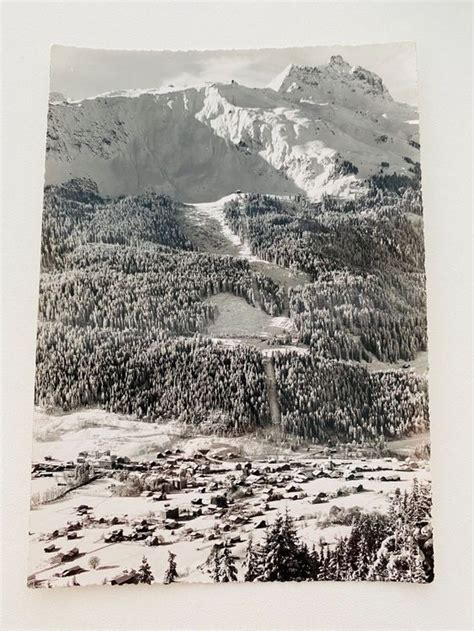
column 100, row 454
column 122, row 460
column 354, row 475
column 114, row 536
column 70, row 555
column 171, row 513
column 153, row 540
column 190, row 513
column 72, row 526
column 320, row 497
column 72, row 571
column 125, row 578
column 106, row 462
column 220, row 501
column 301, row 478
column 171, row 524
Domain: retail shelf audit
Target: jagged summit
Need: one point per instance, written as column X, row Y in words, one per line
column 351, row 85
column 338, row 61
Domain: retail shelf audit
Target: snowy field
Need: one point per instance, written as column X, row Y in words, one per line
column 237, row 318
column 418, row 365
column 62, row 436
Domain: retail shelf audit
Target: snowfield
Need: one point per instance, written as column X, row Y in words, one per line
column 61, row 436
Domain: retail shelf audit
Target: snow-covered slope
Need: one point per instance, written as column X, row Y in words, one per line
column 313, row 130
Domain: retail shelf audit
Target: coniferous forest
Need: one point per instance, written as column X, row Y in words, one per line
column 124, row 311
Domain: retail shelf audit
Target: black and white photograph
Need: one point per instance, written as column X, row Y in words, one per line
column 231, row 357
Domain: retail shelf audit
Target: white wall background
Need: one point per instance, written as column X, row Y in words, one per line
column 442, row 32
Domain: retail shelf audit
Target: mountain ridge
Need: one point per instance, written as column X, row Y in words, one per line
column 201, row 143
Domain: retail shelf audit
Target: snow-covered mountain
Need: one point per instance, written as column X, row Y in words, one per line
column 313, row 130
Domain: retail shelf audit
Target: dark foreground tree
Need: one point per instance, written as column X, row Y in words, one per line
column 228, row 571
column 213, row 564
column 171, row 573
column 144, row 574
column 252, row 562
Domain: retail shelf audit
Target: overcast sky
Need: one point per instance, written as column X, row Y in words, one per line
column 81, row 72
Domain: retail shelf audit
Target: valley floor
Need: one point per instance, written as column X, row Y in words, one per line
column 257, row 480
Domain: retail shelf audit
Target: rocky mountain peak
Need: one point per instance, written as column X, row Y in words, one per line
column 337, row 61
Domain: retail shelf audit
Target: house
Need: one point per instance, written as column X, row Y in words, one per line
column 114, row 536
column 106, row 462
column 353, row 475
column 50, row 548
column 72, row 571
column 72, row 535
column 219, row 500
column 320, row 497
column 125, row 578
column 70, row 555
column 171, row 524
column 171, row 513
